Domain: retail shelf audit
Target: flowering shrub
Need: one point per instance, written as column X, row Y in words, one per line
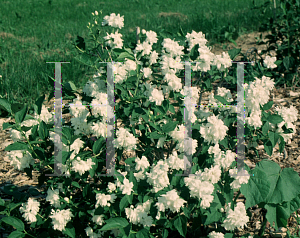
column 149, row 199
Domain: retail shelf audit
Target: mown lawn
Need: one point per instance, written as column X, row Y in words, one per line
column 36, row 31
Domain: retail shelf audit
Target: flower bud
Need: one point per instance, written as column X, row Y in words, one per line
column 96, row 13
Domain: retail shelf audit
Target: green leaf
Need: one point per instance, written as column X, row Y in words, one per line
column 4, row 104
column 39, row 104
column 268, row 105
column 86, row 190
column 124, row 55
column 233, row 53
column 273, row 138
column 268, row 147
column 169, row 126
column 257, row 188
column 143, row 234
column 275, row 119
column 171, row 108
column 165, row 233
column 17, row 146
column 278, row 214
column 70, row 86
column 16, row 234
column 123, row 203
column 98, row 145
column 114, row 223
column 279, row 180
column 265, row 128
column 20, row 115
column 194, row 52
column 2, row 202
column 67, row 132
column 43, row 130
column 15, row 222
column 70, row 231
column 75, row 184
column 7, row 125
column 181, row 225
column 221, row 99
column 288, row 62
column 155, row 135
column 282, row 144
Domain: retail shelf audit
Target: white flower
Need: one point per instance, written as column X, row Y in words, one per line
column 151, row 36
column 98, row 219
column 117, row 37
column 103, row 200
column 156, row 96
column 53, row 197
column 147, row 72
column 242, row 179
column 30, row 210
column 145, row 47
column 171, row 201
column 114, row 20
column 214, row 131
column 82, row 166
column 153, row 57
column 236, row 218
column 125, row 139
column 212, row 175
column 20, row 159
column 269, row 62
column 126, row 187
column 195, row 38
column 255, row 119
column 214, row 234
column 141, row 164
column 111, row 187
column 99, row 129
column 60, row 218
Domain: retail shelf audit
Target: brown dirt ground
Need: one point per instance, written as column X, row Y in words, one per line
column 289, row 159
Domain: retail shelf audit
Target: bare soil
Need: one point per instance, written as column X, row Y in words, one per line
column 289, row 159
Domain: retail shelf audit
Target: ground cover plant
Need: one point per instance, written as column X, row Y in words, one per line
column 150, row 193
column 54, row 26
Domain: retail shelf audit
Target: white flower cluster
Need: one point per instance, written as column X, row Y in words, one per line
column 195, row 38
column 60, row 218
column 269, row 62
column 178, row 135
column 30, row 210
column 82, row 166
column 224, row 160
column 20, row 159
column 200, row 189
column 139, row 215
column 125, row 139
column 214, row 234
column 103, row 200
column 45, row 115
column 226, row 94
column 53, row 197
column 257, row 93
column 289, row 115
column 158, row 176
column 90, row 233
column 222, row 61
column 113, row 20
column 214, row 131
column 141, row 165
column 154, row 94
column 171, row 201
column 242, row 179
column 236, row 218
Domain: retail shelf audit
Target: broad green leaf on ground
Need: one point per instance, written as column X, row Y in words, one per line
column 278, row 214
column 284, row 184
column 257, row 188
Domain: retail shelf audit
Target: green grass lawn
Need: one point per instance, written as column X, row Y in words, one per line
column 33, row 32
